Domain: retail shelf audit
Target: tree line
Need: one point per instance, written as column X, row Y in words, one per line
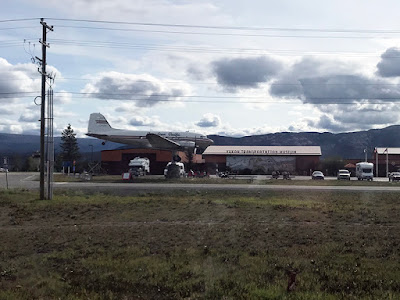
column 68, row 155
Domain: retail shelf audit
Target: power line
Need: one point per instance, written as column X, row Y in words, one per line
column 18, row 20
column 225, row 99
column 197, row 96
column 216, row 83
column 281, row 101
column 12, row 43
column 179, row 48
column 227, row 34
column 164, row 47
column 209, row 83
column 12, row 28
column 213, row 83
column 222, row 97
column 247, row 28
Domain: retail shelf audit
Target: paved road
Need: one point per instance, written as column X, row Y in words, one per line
column 19, row 180
column 302, row 178
column 177, row 186
column 29, row 181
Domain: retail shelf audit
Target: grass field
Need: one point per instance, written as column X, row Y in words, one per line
column 244, row 180
column 200, row 245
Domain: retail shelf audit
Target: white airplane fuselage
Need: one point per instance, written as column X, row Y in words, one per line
column 99, row 128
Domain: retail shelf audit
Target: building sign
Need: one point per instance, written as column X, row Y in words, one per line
column 261, row 152
column 262, row 164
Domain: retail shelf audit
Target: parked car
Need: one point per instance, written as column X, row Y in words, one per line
column 343, row 175
column 201, row 174
column 3, row 170
column 394, row 176
column 275, row 174
column 317, row 175
column 223, row 174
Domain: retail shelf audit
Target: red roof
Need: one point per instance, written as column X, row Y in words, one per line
column 350, row 165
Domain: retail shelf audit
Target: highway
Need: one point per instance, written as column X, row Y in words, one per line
column 30, row 181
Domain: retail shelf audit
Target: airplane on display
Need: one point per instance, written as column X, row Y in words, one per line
column 163, row 140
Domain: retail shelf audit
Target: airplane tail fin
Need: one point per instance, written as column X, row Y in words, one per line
column 97, row 123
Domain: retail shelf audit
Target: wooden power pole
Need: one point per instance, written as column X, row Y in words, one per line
column 43, row 105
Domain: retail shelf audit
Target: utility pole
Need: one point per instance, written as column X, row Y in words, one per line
column 377, row 161
column 43, row 105
column 387, row 162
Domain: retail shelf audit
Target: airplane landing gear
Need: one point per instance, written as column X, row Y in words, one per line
column 174, row 168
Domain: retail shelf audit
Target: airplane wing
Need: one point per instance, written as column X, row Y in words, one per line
column 96, row 135
column 160, row 142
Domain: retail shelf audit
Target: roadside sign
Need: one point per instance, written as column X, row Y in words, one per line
column 126, row 176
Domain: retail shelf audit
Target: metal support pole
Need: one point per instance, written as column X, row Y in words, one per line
column 42, row 111
column 387, row 163
column 50, row 145
column 7, row 178
column 5, row 166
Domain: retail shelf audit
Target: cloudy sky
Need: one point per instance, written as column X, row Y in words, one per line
column 215, row 67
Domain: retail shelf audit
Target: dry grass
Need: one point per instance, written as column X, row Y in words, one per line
column 200, row 245
column 239, row 180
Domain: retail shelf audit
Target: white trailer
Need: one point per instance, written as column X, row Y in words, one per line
column 364, row 170
column 139, row 166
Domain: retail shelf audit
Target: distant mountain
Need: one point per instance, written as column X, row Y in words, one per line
column 345, row 145
column 28, row 144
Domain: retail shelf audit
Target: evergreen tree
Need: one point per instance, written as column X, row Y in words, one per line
column 189, row 152
column 69, row 145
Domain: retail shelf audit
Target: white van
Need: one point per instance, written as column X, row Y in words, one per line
column 364, row 170
column 181, row 167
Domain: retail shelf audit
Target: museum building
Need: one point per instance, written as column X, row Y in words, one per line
column 298, row 160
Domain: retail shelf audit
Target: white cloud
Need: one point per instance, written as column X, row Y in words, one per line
column 62, row 97
column 142, row 90
column 145, row 121
column 16, row 81
column 389, row 65
column 209, row 120
column 10, row 126
column 29, row 117
column 143, row 64
column 246, row 72
column 143, row 10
